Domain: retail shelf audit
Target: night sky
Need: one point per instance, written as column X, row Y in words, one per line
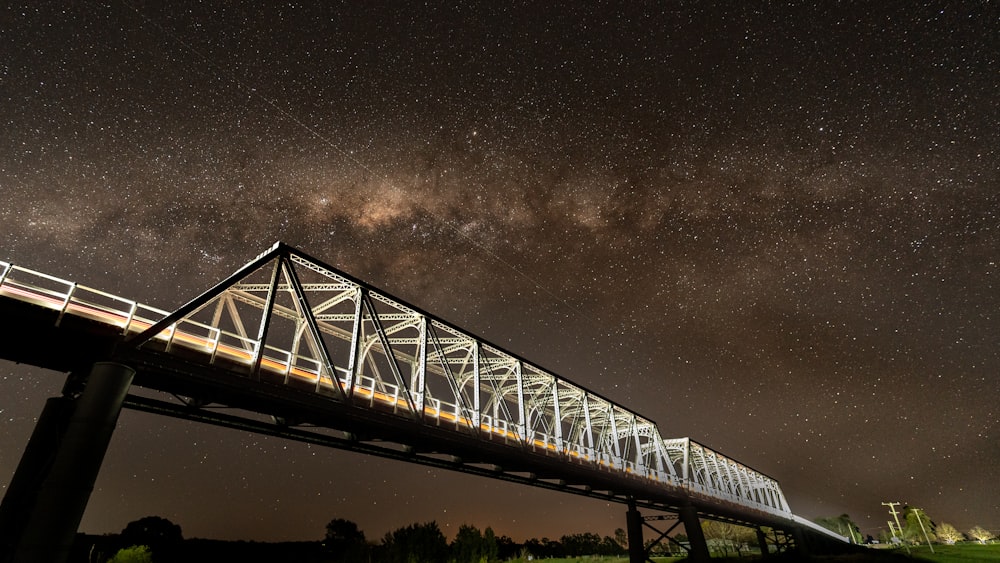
column 771, row 227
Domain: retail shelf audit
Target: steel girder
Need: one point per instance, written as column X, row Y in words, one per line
column 290, row 319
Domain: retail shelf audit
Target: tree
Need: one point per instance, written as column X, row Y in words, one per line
column 134, row 554
column 610, row 546
column 948, row 534
column 722, row 536
column 153, row 529
column 918, row 527
column 981, row 534
column 842, row 525
column 507, row 548
column 471, row 546
column 544, row 548
column 491, row 548
column 576, row 545
column 416, row 543
column 162, row 536
column 345, row 541
column 621, row 537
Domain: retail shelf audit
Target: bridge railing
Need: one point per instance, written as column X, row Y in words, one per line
column 399, row 359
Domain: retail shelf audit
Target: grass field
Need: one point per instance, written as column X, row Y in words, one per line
column 962, row 553
column 957, row 553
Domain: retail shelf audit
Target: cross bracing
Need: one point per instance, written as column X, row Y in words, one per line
column 288, row 319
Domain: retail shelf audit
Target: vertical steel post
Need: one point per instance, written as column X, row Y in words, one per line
column 633, row 527
column 522, row 421
column 51, row 526
column 557, row 415
column 476, row 406
column 692, row 527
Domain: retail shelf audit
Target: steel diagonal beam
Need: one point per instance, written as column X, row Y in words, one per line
column 739, row 487
column 472, row 415
column 614, row 432
column 668, row 465
column 389, row 353
column 220, row 306
column 344, row 295
column 198, row 302
column 711, row 470
column 242, row 293
column 557, row 417
column 589, row 429
column 749, row 485
column 477, row 406
column 498, row 395
column 637, row 444
column 354, row 362
column 226, row 299
column 522, row 424
column 721, row 475
column 699, row 469
column 261, row 302
column 265, row 319
column 303, row 305
column 574, row 413
column 726, row 467
column 418, row 377
column 537, row 399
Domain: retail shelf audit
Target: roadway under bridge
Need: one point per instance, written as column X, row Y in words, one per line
column 306, row 352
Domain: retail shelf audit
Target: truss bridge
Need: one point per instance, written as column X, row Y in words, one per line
column 306, row 352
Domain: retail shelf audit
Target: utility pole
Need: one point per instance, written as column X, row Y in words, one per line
column 892, row 508
column 924, row 530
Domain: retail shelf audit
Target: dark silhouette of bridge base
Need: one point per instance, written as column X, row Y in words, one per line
column 48, row 494
column 696, row 546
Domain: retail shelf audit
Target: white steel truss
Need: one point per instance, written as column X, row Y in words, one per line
column 709, row 472
column 288, row 318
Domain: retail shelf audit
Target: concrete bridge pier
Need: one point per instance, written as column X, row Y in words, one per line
column 30, row 473
column 688, row 516
column 633, row 527
column 52, row 484
column 692, row 527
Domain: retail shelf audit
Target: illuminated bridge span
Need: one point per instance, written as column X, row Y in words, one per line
column 310, row 353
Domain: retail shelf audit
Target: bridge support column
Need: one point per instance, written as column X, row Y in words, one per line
column 633, row 526
column 692, row 527
column 762, row 542
column 50, row 526
column 801, row 543
column 31, row 470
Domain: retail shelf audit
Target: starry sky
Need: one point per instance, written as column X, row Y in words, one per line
column 772, row 227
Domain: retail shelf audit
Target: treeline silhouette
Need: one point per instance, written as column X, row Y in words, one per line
column 344, row 542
